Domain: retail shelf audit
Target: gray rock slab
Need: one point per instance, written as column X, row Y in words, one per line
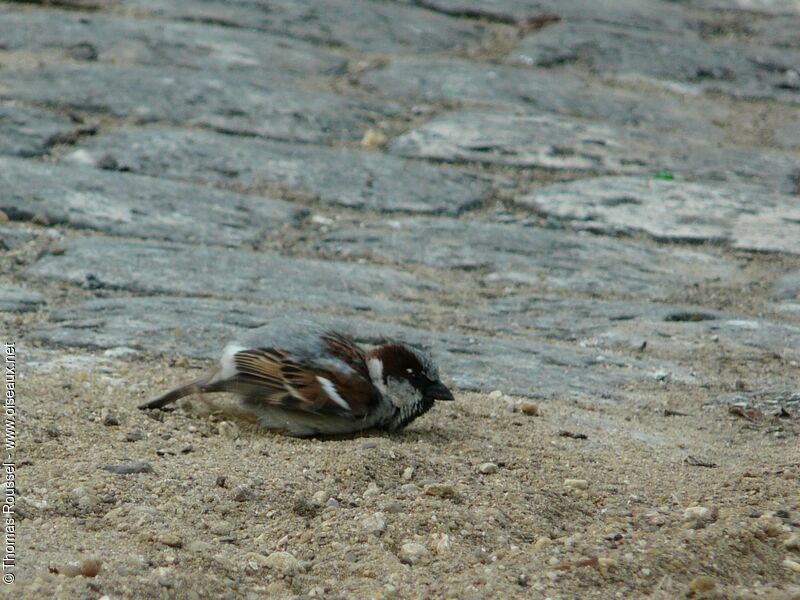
column 17, row 299
column 742, row 216
column 342, row 177
column 382, row 27
column 769, row 7
column 673, row 332
column 12, row 236
column 546, row 141
column 788, row 135
column 229, row 102
column 780, row 31
column 30, row 132
column 542, row 258
column 559, row 142
column 137, row 206
column 128, row 40
column 199, row 328
column 788, row 286
column 645, row 14
column 535, row 91
column 738, row 69
column 265, row 277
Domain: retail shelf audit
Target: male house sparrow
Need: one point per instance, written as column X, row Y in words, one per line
column 308, row 382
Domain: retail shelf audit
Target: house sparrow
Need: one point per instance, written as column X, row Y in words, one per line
column 308, row 382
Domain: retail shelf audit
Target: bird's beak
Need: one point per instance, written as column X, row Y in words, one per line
column 438, row 391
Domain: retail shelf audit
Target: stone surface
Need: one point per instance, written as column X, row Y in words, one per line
column 12, row 236
column 129, row 40
column 30, row 132
column 351, row 178
column 684, row 58
column 788, row 286
column 547, row 141
column 231, row 102
column 739, row 215
column 201, row 327
column 560, row 143
column 645, row 14
column 133, row 205
column 18, row 299
column 770, row 7
column 545, row 259
column 673, row 332
column 535, row 91
column 382, row 27
column 135, row 266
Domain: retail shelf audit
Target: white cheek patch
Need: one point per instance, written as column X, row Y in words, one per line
column 226, row 362
column 375, row 367
column 330, row 389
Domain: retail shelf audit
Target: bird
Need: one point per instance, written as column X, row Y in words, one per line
column 306, row 381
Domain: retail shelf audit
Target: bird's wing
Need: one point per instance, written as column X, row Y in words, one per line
column 274, row 377
column 346, row 350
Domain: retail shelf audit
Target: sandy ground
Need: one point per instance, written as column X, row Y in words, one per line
column 666, row 496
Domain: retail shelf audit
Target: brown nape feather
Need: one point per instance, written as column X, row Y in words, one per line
column 198, row 386
column 396, row 360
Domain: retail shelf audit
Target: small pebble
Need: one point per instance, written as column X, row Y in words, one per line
column 283, row 562
column 698, row 517
column 228, row 430
column 529, row 409
column 332, row 503
column 440, row 490
column 408, row 473
column 40, row 219
column 487, row 468
column 443, row 546
column 495, row 395
column 541, row 543
column 410, row 489
column 577, row 484
column 792, row 543
column 702, row 584
column 374, row 524
column 792, row 565
column 242, row 492
column 134, row 436
column 170, row 539
column 320, row 498
column 374, row 139
column 372, row 490
column 413, row 552
column 110, row 420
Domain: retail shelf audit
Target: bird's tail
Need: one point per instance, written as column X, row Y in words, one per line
column 198, row 386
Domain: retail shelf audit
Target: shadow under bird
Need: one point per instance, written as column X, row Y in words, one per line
column 307, row 381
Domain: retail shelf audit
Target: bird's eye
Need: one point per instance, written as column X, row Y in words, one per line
column 409, row 371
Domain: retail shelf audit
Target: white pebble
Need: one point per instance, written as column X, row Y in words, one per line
column 374, row 524
column 792, row 565
column 413, row 552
